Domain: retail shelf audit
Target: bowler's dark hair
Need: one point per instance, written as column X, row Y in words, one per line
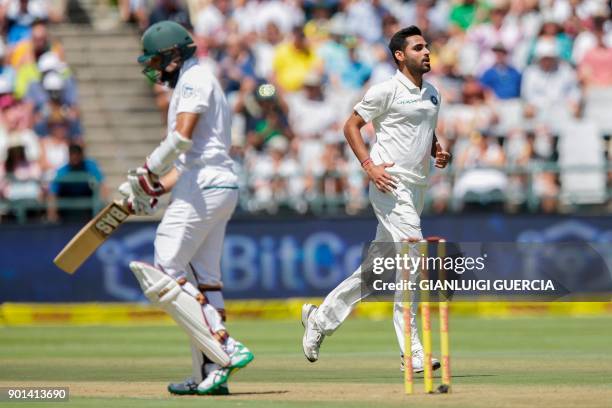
column 398, row 41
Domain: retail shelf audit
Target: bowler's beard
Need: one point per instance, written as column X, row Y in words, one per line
column 417, row 68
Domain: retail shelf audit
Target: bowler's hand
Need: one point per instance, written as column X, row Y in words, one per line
column 442, row 157
column 379, row 176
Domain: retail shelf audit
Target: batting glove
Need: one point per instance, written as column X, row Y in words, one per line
column 137, row 205
column 144, row 184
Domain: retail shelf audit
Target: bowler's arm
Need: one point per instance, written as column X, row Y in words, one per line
column 376, row 173
column 352, row 133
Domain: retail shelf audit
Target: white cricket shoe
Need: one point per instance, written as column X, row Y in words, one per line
column 417, row 362
column 311, row 342
column 240, row 356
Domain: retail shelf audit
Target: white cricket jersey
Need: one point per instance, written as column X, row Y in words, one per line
column 198, row 91
column 404, row 119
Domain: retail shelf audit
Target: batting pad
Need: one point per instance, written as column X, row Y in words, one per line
column 164, row 291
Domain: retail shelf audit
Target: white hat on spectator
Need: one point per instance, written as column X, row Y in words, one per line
column 546, row 49
column 313, row 78
column 53, row 82
column 278, row 143
column 36, row 9
column 337, row 27
column 49, row 61
column 5, row 86
column 601, row 10
column 39, row 9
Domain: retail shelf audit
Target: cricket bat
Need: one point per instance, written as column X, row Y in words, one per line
column 91, row 236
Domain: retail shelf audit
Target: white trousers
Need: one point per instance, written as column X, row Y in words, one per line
column 190, row 236
column 398, row 215
column 189, row 239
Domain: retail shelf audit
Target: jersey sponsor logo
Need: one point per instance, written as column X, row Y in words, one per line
column 188, row 91
column 434, row 100
column 110, row 220
column 407, row 101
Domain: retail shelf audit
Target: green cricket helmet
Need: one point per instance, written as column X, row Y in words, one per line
column 163, row 43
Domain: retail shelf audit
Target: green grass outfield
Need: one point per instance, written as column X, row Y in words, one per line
column 527, row 361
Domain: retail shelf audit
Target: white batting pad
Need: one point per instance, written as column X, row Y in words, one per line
column 164, row 291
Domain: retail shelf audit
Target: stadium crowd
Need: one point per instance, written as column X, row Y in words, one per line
column 524, row 85
column 526, row 88
column 41, row 141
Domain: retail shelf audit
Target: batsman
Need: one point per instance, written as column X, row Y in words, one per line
column 193, row 162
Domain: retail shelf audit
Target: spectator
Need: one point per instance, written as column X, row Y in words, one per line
column 444, row 74
column 545, row 183
column 390, row 25
column 463, row 14
column 26, row 54
column 21, row 15
column 502, row 78
column 383, row 65
column 319, row 27
column 15, row 130
column 527, row 17
column 332, row 183
column 595, row 68
column 236, row 64
column 589, row 39
column 311, row 103
column 57, row 107
column 365, row 19
column 334, row 54
column 430, row 16
column 293, row 60
column 481, row 178
column 7, row 72
column 64, row 186
column 264, row 50
column 170, row 10
column 357, row 72
column 242, row 15
column 54, row 149
column 47, row 63
column 548, row 84
column 276, row 178
column 474, row 115
column 134, row 11
column 28, row 51
column 19, row 177
column 211, row 23
column 498, row 31
column 285, row 14
column 564, row 10
column 553, row 33
column 265, row 113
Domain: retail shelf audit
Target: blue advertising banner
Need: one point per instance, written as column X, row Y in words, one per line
column 262, row 258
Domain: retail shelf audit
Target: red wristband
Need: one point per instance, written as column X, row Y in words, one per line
column 366, row 162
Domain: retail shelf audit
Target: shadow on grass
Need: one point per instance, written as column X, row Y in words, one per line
column 259, row 393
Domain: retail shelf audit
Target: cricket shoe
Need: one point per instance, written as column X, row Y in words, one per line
column 417, row 362
column 240, row 357
column 190, row 387
column 311, row 342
